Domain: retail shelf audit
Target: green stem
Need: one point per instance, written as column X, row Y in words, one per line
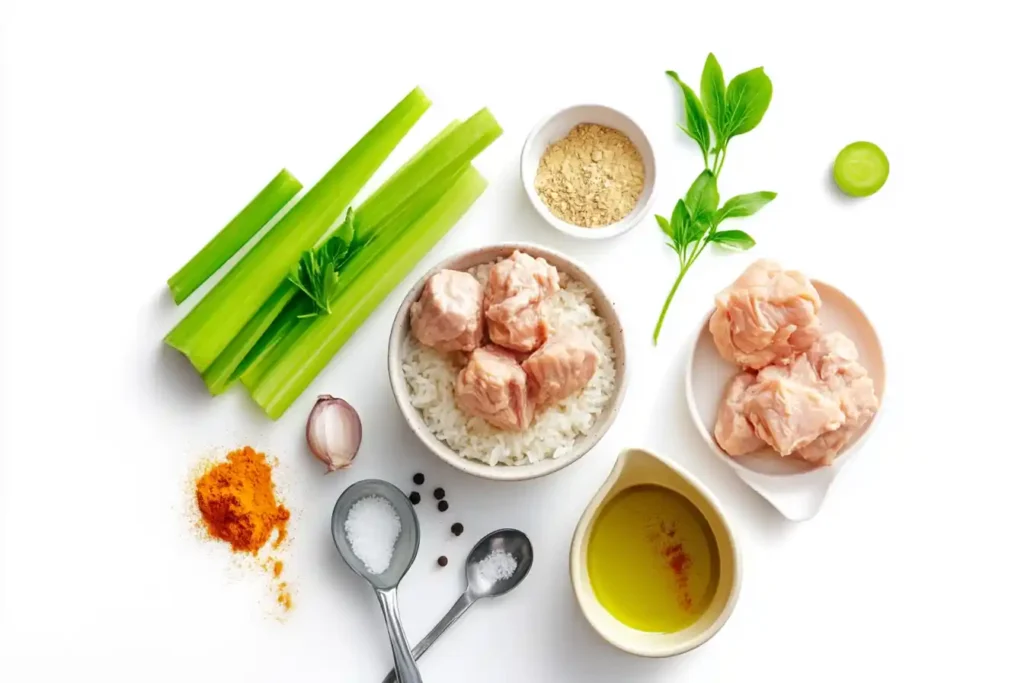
column 719, row 161
column 700, row 251
column 684, row 268
column 668, row 302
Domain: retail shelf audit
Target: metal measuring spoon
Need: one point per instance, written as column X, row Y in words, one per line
column 512, row 541
column 385, row 584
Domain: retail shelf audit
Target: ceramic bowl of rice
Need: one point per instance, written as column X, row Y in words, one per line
column 423, row 379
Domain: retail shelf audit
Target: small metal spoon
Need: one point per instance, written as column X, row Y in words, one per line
column 384, row 584
column 512, row 541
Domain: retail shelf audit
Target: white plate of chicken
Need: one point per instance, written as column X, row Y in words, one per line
column 785, row 380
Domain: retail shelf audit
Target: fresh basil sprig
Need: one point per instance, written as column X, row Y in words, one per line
column 726, row 112
column 316, row 273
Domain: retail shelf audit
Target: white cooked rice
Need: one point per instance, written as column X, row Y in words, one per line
column 431, row 376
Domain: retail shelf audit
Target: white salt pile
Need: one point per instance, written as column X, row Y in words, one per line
column 497, row 566
column 372, row 527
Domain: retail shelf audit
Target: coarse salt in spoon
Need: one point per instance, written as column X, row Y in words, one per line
column 377, row 533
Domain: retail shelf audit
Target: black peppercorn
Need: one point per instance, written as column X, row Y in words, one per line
column 457, row 528
column 443, row 505
column 414, row 497
column 418, row 479
column 442, row 561
column 439, row 493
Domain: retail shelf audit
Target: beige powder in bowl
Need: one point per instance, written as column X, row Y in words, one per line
column 592, row 177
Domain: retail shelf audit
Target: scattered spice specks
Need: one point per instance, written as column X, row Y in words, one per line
column 439, row 493
column 414, row 497
column 443, row 506
column 418, row 479
column 457, row 528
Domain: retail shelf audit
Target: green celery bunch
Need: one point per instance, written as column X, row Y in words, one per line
column 222, row 314
column 408, row 192
column 303, row 360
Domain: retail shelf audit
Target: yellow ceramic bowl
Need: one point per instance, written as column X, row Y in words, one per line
column 633, row 468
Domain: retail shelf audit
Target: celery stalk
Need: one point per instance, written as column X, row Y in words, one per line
column 288, row 327
column 304, row 359
column 410, row 191
column 209, row 328
column 223, row 371
column 443, row 156
column 249, row 351
column 233, row 236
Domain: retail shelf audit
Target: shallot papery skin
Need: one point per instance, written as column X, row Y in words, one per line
column 334, row 432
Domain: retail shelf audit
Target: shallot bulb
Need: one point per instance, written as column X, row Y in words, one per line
column 334, row 432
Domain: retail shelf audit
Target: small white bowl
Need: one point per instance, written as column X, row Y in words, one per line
column 796, row 488
column 400, row 388
column 557, row 127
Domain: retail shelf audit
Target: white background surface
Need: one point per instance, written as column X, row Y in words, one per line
column 132, row 131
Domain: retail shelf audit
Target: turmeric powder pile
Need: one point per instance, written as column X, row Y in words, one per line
column 238, row 506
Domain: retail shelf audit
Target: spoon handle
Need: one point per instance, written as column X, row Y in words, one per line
column 405, row 665
column 458, row 609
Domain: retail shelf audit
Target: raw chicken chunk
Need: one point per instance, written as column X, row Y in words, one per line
column 515, row 287
column 733, row 430
column 492, row 386
column 809, row 409
column 449, row 313
column 789, row 406
column 561, row 367
column 768, row 315
column 834, row 358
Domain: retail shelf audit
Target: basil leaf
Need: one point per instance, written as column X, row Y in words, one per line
column 747, row 99
column 665, row 226
column 696, row 121
column 733, row 239
column 743, row 205
column 680, row 222
column 702, row 197
column 712, row 94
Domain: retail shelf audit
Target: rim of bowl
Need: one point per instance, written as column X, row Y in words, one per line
column 600, row 233
column 842, row 458
column 577, row 559
column 412, row 416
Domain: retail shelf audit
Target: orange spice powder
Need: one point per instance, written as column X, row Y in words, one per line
column 236, row 499
column 237, row 502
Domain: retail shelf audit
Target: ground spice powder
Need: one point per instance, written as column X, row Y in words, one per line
column 592, row 177
column 236, row 499
column 237, row 503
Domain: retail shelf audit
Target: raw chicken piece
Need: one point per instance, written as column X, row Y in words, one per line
column 515, row 287
column 492, row 386
column 834, row 357
column 523, row 329
column 733, row 430
column 561, row 367
column 789, row 406
column 766, row 316
column 810, row 408
column 449, row 313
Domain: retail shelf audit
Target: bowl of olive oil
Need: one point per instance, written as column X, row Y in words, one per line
column 654, row 564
